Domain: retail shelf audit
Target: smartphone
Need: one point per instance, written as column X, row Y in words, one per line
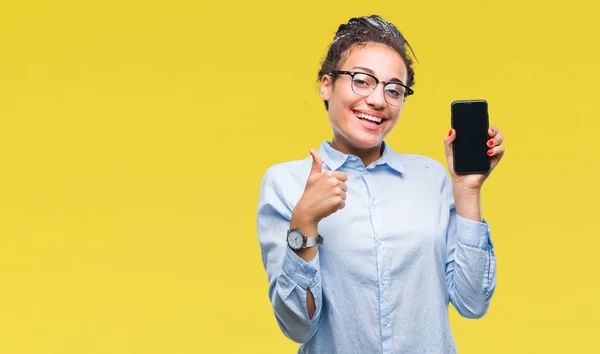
column 471, row 123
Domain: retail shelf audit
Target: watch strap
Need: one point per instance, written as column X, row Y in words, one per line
column 313, row 241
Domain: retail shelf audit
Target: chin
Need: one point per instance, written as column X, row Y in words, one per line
column 366, row 141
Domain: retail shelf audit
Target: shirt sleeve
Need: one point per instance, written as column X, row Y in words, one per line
column 471, row 261
column 289, row 275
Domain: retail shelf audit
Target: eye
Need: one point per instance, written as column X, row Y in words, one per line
column 360, row 83
column 394, row 93
column 361, row 80
column 395, row 90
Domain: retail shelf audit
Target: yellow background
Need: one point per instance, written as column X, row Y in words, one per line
column 134, row 135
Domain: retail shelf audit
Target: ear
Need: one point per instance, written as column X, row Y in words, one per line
column 326, row 87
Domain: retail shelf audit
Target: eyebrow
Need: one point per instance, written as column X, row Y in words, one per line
column 373, row 73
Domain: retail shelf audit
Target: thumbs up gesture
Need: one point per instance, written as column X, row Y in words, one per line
column 324, row 194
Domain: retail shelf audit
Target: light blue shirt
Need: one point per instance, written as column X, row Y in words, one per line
column 392, row 259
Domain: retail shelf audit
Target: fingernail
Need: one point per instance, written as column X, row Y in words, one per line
column 490, row 143
column 490, row 152
column 493, row 132
column 450, row 132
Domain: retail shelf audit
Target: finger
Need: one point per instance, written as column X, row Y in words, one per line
column 448, row 140
column 339, row 191
column 493, row 131
column 343, row 186
column 340, row 176
column 497, row 151
column 497, row 154
column 499, row 138
column 495, row 141
column 336, row 202
column 317, row 164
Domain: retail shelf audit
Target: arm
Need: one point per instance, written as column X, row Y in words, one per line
column 471, row 262
column 294, row 283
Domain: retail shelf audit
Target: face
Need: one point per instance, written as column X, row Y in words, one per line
column 353, row 131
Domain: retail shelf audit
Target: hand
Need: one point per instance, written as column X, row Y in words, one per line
column 324, row 194
column 496, row 151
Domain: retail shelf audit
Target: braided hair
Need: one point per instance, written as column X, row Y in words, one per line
column 360, row 31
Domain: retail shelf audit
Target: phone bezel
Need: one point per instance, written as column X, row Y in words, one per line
column 452, row 107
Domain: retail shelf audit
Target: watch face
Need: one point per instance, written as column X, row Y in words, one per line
column 295, row 239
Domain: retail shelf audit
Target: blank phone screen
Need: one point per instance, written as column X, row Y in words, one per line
column 470, row 120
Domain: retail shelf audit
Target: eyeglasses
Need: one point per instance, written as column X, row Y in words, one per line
column 364, row 84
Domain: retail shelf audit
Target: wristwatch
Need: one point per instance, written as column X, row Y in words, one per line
column 296, row 240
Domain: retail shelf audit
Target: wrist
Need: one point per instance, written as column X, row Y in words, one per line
column 466, row 191
column 303, row 219
column 309, row 228
column 467, row 201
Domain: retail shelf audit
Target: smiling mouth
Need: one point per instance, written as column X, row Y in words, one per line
column 373, row 119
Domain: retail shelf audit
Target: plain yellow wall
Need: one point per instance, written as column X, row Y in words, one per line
column 134, row 135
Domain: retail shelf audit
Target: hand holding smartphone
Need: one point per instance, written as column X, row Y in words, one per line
column 471, row 122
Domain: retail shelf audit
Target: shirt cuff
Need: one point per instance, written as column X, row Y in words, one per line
column 299, row 271
column 473, row 233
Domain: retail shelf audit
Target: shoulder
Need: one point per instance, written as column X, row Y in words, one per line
column 286, row 178
column 283, row 183
column 284, row 171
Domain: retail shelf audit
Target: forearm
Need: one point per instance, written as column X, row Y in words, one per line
column 471, row 262
column 467, row 202
column 308, row 228
column 473, row 270
column 290, row 293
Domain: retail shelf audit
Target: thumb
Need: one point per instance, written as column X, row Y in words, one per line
column 448, row 141
column 317, row 164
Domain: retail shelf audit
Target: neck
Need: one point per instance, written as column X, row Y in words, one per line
column 367, row 156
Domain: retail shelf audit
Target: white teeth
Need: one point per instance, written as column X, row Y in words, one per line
column 371, row 118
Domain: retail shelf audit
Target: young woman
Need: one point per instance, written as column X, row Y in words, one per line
column 365, row 247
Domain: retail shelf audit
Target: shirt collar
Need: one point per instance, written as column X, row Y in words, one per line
column 334, row 159
column 392, row 158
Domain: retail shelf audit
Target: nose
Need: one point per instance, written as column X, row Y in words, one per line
column 377, row 98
